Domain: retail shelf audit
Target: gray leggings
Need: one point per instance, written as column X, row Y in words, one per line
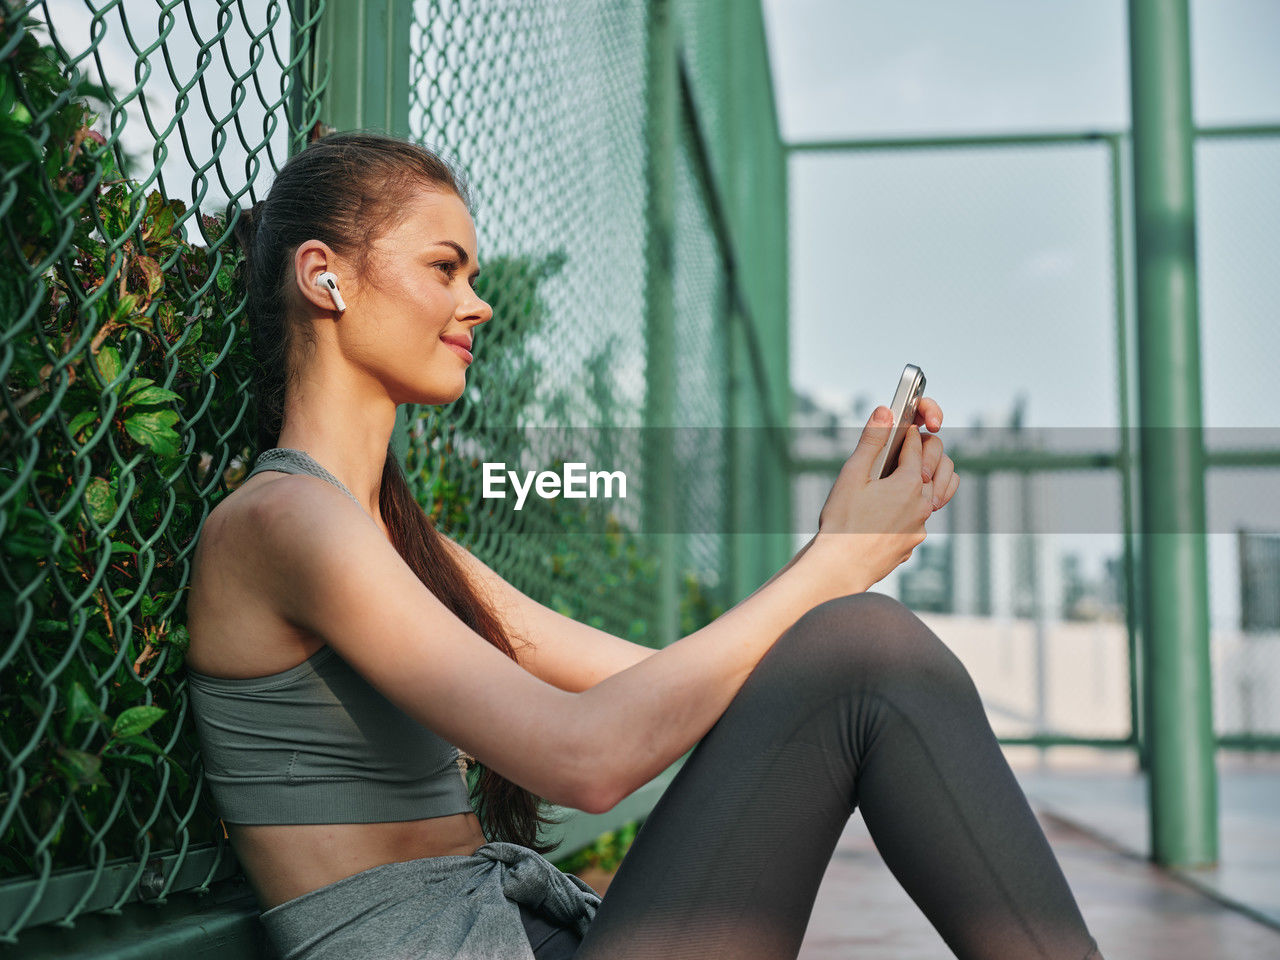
column 857, row 704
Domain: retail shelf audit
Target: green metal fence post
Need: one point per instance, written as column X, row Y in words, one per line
column 662, row 129
column 769, row 261
column 745, row 552
column 757, row 206
column 778, row 304
column 301, row 51
column 366, row 46
column 1128, row 472
column 1183, row 791
column 735, row 587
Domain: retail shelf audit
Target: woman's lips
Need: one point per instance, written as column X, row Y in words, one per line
column 459, row 349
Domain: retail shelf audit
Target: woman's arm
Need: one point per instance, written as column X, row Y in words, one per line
column 650, row 714
column 327, row 569
column 558, row 649
column 867, row 528
column 574, row 656
column 790, row 563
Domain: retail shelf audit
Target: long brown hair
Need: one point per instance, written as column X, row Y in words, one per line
column 345, row 189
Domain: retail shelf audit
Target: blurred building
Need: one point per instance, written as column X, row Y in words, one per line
column 926, row 583
column 1085, row 598
column 1004, row 563
column 984, row 559
column 1259, row 581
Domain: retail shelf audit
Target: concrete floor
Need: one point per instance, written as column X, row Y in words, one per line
column 1093, row 813
column 1109, row 800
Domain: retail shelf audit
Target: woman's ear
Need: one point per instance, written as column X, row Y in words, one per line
column 311, row 260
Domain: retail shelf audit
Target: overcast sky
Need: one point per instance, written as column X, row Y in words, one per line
column 979, row 260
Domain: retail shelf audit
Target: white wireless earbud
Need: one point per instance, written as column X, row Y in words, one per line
column 330, row 280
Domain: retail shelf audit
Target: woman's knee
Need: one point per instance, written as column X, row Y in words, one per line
column 869, row 640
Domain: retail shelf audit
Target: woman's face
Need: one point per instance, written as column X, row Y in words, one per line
column 416, row 308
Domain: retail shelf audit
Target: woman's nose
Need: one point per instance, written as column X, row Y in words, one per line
column 479, row 311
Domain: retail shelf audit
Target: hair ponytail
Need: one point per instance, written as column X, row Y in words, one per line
column 268, row 323
column 344, row 189
column 505, row 809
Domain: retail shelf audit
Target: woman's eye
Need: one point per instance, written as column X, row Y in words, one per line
column 448, row 266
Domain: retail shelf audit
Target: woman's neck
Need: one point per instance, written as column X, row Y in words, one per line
column 345, row 434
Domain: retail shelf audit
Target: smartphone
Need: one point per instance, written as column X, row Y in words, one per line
column 910, row 390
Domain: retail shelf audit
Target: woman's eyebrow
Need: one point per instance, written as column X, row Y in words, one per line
column 463, row 258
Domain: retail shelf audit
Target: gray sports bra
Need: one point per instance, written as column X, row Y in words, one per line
column 316, row 743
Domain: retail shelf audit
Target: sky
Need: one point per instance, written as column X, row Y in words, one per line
column 993, row 255
column 992, row 269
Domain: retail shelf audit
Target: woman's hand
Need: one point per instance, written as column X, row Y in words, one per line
column 886, row 517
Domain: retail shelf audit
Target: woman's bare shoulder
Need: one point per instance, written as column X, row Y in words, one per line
column 265, row 540
column 239, row 517
column 233, row 525
column 233, row 616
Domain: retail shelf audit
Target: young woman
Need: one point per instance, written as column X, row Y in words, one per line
column 342, row 651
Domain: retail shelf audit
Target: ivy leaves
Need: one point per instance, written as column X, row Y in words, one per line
column 146, row 418
column 101, row 500
column 134, row 721
column 81, row 769
column 150, row 427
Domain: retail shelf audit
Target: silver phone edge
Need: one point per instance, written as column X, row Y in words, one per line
column 914, row 386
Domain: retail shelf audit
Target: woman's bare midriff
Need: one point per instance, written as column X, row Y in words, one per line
column 236, row 633
column 286, row 861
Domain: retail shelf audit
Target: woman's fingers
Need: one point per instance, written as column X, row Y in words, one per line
column 874, row 436
column 909, row 465
column 930, row 457
column 929, row 414
column 951, row 489
column 910, row 457
column 941, row 481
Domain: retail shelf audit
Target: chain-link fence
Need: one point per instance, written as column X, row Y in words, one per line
column 132, row 133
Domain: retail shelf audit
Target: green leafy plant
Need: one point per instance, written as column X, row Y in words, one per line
column 605, row 852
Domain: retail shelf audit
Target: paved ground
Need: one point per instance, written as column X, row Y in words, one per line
column 1108, row 798
column 1135, row 911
